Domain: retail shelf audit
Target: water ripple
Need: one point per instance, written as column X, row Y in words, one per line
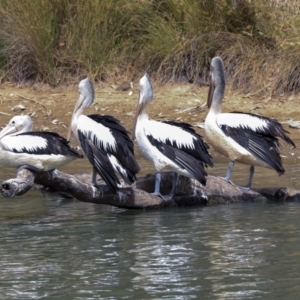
column 50, row 248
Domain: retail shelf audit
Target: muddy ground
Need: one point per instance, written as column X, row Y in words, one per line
column 51, row 108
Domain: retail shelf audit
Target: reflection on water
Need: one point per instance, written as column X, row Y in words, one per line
column 53, row 248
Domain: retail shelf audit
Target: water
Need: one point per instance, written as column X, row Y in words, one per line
column 55, row 248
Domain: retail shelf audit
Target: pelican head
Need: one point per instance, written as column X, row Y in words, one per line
column 145, row 97
column 16, row 125
column 86, row 95
column 217, row 81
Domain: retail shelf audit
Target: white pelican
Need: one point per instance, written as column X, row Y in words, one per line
column 247, row 138
column 169, row 144
column 104, row 141
column 37, row 151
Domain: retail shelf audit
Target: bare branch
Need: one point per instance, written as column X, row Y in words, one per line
column 19, row 185
column 139, row 196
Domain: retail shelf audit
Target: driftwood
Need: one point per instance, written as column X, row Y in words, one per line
column 138, row 196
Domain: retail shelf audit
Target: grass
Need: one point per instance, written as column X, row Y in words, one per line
column 27, row 38
column 58, row 41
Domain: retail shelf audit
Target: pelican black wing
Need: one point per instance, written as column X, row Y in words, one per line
column 100, row 161
column 41, row 142
column 124, row 150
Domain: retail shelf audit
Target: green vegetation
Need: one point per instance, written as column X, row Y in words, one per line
column 62, row 40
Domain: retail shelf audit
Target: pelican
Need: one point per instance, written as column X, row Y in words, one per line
column 246, row 138
column 104, row 141
column 35, row 150
column 169, row 144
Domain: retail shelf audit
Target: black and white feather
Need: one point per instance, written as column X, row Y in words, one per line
column 244, row 137
column 39, row 143
column 257, row 134
column 169, row 145
column 182, row 145
column 104, row 141
column 108, row 148
column 36, row 150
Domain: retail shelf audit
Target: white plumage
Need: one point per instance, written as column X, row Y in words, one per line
column 242, row 120
column 170, row 145
column 104, row 141
column 247, row 138
column 32, row 145
column 38, row 150
column 100, row 134
column 164, row 132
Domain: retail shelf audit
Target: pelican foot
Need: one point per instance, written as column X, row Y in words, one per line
column 166, row 197
column 227, row 180
column 244, row 187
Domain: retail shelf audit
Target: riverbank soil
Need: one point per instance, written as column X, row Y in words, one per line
column 51, row 108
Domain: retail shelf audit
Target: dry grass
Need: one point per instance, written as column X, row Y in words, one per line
column 27, row 38
column 60, row 41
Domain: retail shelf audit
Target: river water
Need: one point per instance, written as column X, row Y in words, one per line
column 55, row 248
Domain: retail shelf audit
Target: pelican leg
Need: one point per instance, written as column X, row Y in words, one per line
column 195, row 192
column 94, row 177
column 229, row 171
column 248, row 185
column 173, row 191
column 157, row 186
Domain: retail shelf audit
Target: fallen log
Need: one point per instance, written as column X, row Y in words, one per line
column 138, row 196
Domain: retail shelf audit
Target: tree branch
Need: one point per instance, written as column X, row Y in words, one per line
column 138, row 196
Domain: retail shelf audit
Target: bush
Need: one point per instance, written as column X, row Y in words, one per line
column 61, row 40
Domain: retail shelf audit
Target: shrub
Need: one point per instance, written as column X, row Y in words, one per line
column 174, row 40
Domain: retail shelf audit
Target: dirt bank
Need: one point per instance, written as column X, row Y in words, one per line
column 51, row 108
